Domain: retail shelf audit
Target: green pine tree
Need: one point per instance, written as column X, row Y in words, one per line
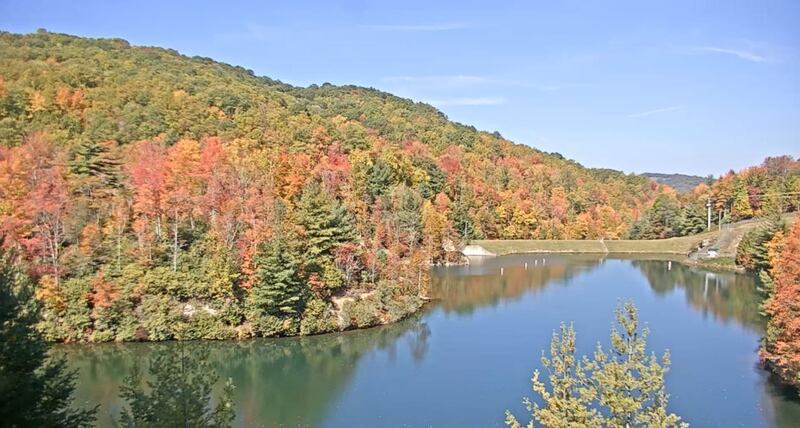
column 325, row 221
column 642, row 229
column 462, row 221
column 406, row 213
column 752, row 252
column 92, row 159
column 36, row 389
column 380, row 178
column 278, row 290
column 435, row 177
column 665, row 216
column 693, row 220
column 662, row 220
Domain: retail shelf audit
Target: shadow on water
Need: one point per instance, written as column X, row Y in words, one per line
column 783, row 399
column 302, row 381
column 279, row 382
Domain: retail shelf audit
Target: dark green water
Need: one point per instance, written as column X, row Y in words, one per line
column 470, row 355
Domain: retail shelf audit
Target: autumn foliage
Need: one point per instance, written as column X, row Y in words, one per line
column 764, row 190
column 147, row 193
column 781, row 351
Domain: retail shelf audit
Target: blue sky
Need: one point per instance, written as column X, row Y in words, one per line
column 674, row 86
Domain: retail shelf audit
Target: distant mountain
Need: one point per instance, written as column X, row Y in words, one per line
column 679, row 182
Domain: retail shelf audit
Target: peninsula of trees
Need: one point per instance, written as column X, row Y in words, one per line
column 153, row 196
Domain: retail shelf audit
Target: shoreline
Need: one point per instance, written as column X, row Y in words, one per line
column 424, row 301
column 338, row 310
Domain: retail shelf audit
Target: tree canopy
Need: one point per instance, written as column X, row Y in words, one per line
column 36, row 389
column 145, row 192
column 620, row 387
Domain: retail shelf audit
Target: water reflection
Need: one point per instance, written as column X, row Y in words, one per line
column 279, row 382
column 726, row 296
column 466, row 288
column 334, row 380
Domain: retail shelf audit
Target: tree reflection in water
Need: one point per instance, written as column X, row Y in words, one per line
column 464, row 289
column 725, row 295
column 309, row 381
column 279, row 382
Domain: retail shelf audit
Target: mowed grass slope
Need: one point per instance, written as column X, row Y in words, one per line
column 726, row 242
column 682, row 245
column 511, row 246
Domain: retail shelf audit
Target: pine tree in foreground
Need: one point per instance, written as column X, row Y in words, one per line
column 36, row 390
column 620, row 388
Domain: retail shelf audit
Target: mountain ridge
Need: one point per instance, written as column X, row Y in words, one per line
column 680, row 182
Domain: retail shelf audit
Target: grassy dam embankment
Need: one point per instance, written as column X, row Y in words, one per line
column 723, row 241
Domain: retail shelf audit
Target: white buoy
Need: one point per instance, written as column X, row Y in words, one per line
column 536, row 262
column 669, row 265
column 544, row 262
column 501, row 271
column 526, row 265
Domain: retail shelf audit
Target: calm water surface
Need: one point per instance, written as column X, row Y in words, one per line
column 470, row 355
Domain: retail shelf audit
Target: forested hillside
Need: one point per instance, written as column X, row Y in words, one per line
column 765, row 190
column 155, row 196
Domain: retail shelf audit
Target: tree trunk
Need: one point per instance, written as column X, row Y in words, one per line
column 175, row 244
column 119, row 249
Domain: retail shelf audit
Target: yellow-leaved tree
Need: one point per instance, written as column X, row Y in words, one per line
column 620, row 387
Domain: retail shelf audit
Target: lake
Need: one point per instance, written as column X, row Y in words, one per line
column 470, row 354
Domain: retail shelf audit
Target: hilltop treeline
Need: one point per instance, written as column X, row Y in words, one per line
column 157, row 196
column 769, row 189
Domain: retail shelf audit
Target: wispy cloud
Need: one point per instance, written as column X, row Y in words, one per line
column 447, row 80
column 463, row 80
column 741, row 54
column 476, row 101
column 549, row 88
column 418, row 27
column 656, row 111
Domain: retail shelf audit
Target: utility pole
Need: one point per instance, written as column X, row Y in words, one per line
column 708, row 206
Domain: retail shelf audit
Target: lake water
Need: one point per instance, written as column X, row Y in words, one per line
column 470, row 355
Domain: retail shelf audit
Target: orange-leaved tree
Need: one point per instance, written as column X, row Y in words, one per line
column 781, row 351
